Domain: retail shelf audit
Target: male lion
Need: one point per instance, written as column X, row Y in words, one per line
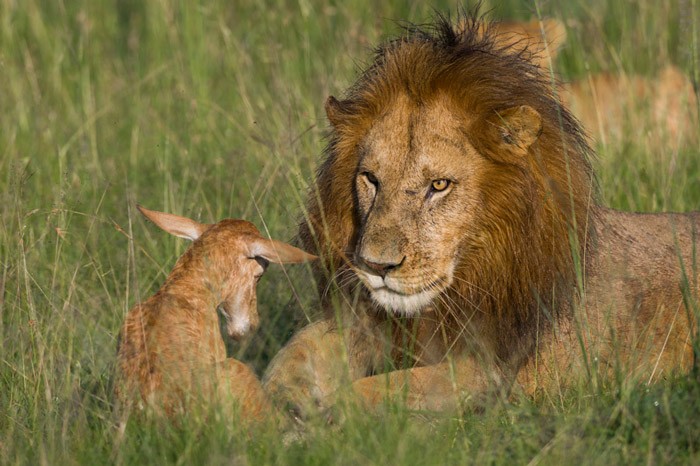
column 464, row 245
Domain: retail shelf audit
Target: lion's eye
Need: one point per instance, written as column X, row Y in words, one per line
column 370, row 178
column 439, row 185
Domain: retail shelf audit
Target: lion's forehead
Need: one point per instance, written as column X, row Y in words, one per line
column 418, row 141
column 392, row 133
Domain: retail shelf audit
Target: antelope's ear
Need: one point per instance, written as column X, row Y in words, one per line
column 182, row 227
column 519, row 126
column 334, row 110
column 278, row 252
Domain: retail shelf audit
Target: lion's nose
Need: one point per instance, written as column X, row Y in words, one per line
column 383, row 268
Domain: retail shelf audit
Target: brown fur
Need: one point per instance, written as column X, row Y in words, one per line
column 539, row 265
column 171, row 350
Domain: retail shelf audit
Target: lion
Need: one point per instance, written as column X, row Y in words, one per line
column 465, row 251
column 657, row 112
column 543, row 38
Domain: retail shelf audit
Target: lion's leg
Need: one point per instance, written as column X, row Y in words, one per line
column 438, row 387
column 306, row 374
column 307, row 371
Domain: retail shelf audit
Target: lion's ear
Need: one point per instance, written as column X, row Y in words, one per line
column 334, row 110
column 519, row 126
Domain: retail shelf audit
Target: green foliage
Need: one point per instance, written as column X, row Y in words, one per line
column 214, row 109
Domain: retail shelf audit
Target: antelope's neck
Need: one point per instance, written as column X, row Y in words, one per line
column 191, row 289
column 188, row 307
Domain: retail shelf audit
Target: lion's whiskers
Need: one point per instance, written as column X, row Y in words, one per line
column 474, row 286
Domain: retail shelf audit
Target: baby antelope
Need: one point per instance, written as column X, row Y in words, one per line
column 170, row 347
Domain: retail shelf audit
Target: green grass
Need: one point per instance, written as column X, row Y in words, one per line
column 215, row 110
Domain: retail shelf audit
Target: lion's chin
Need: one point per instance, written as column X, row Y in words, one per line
column 395, row 296
column 406, row 305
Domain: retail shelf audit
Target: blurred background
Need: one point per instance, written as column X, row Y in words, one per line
column 212, row 110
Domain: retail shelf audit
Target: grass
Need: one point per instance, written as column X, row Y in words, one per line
column 213, row 110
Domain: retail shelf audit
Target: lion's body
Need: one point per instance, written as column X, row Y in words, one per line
column 660, row 112
column 457, row 215
column 632, row 317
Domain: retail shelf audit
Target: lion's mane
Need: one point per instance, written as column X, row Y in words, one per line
column 534, row 219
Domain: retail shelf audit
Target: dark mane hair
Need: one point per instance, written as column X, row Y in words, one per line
column 533, row 206
column 468, row 60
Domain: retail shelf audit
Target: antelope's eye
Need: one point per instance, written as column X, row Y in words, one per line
column 440, row 185
column 262, row 261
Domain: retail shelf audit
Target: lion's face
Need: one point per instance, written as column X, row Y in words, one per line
column 454, row 183
column 417, row 190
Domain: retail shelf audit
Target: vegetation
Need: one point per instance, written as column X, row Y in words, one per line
column 212, row 110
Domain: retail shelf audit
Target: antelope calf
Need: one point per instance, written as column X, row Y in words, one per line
column 170, row 347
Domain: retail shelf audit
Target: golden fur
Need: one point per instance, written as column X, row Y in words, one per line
column 171, row 349
column 463, row 244
column 657, row 112
column 542, row 38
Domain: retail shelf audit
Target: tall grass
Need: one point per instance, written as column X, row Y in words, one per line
column 214, row 109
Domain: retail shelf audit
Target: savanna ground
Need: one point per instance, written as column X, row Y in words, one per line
column 215, row 110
